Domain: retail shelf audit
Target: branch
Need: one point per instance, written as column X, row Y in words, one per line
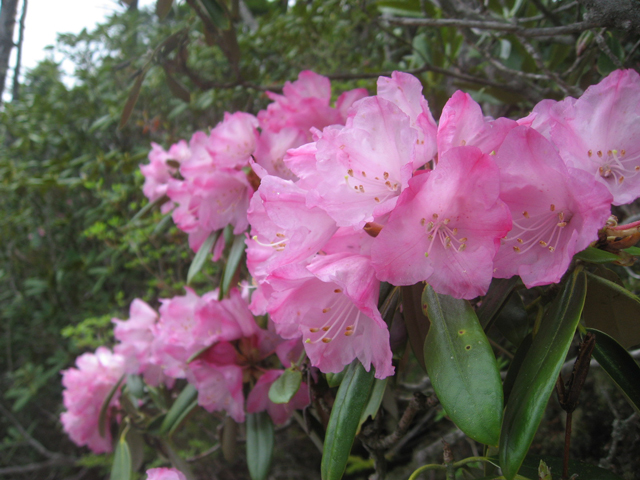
column 32, row 441
column 32, row 467
column 578, row 27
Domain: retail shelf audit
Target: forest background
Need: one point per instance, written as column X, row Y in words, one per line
column 71, row 258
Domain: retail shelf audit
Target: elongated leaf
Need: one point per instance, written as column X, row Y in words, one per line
column 135, row 441
column 144, row 210
column 495, row 299
column 374, row 402
column 415, row 319
column 285, row 386
column 202, row 255
column 217, row 13
column 235, row 256
column 163, row 7
column 176, row 87
column 539, row 373
column 133, row 98
column 515, row 366
column 121, row 469
column 351, row 399
column 635, row 251
column 462, row 367
column 612, row 309
column 259, row 444
column 335, row 379
column 595, row 255
column 185, row 402
column 102, row 415
column 619, row 365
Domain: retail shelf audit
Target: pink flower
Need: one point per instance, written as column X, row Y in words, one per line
column 405, row 91
column 258, row 398
column 333, row 305
column 165, row 474
column 446, row 227
column 219, row 387
column 136, row 338
column 600, row 133
column 161, row 168
column 86, row 389
column 462, row 123
column 362, row 167
column 271, row 150
column 556, row 211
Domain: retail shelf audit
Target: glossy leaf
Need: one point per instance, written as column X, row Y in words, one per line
column 235, row 256
column 595, row 255
column 462, row 367
column 102, row 415
column 539, row 373
column 163, row 7
column 619, row 365
column 202, row 255
column 121, row 468
column 335, row 379
column 259, row 444
column 351, row 400
column 285, row 386
column 415, row 320
column 612, row 309
column 495, row 299
column 374, row 402
column 186, row 401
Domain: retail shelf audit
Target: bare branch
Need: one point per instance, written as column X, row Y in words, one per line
column 32, row 467
column 578, row 27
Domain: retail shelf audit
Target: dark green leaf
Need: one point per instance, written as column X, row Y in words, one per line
column 102, row 416
column 163, row 7
column 121, row 469
column 595, row 255
column 351, row 399
column 285, row 386
column 583, row 470
column 202, row 255
column 612, row 309
column 144, row 210
column 515, row 366
column 132, row 99
column 513, row 320
column 235, row 256
column 135, row 441
column 185, row 402
column 217, row 13
column 539, row 373
column 619, row 365
column 495, row 299
column 462, row 367
column 334, row 379
column 635, row 251
column 374, row 402
column 415, row 320
column 259, row 444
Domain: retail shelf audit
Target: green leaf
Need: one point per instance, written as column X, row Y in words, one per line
column 351, row 400
column 415, row 320
column 102, row 416
column 335, row 379
column 285, row 386
column 163, row 7
column 495, row 299
column 121, row 469
column 133, row 98
column 539, row 373
column 185, row 402
column 218, row 14
column 513, row 320
column 619, row 365
column 515, row 366
column 259, row 444
column 202, row 255
column 374, row 402
column 612, row 309
column 235, row 256
column 463, row 370
column 176, row 460
column 144, row 210
column 635, row 251
column 595, row 255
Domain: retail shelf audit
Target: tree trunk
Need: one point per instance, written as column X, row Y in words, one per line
column 15, row 91
column 8, row 13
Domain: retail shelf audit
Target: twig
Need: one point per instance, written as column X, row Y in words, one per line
column 203, row 454
column 32, row 441
column 577, row 27
column 604, row 48
column 32, row 467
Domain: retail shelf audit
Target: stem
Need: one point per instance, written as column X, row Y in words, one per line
column 567, row 445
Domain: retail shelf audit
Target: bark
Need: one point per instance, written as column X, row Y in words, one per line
column 619, row 14
column 15, row 91
column 8, row 13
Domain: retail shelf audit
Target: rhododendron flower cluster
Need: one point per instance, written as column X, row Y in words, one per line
column 335, row 200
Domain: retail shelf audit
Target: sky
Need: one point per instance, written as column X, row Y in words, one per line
column 46, row 18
